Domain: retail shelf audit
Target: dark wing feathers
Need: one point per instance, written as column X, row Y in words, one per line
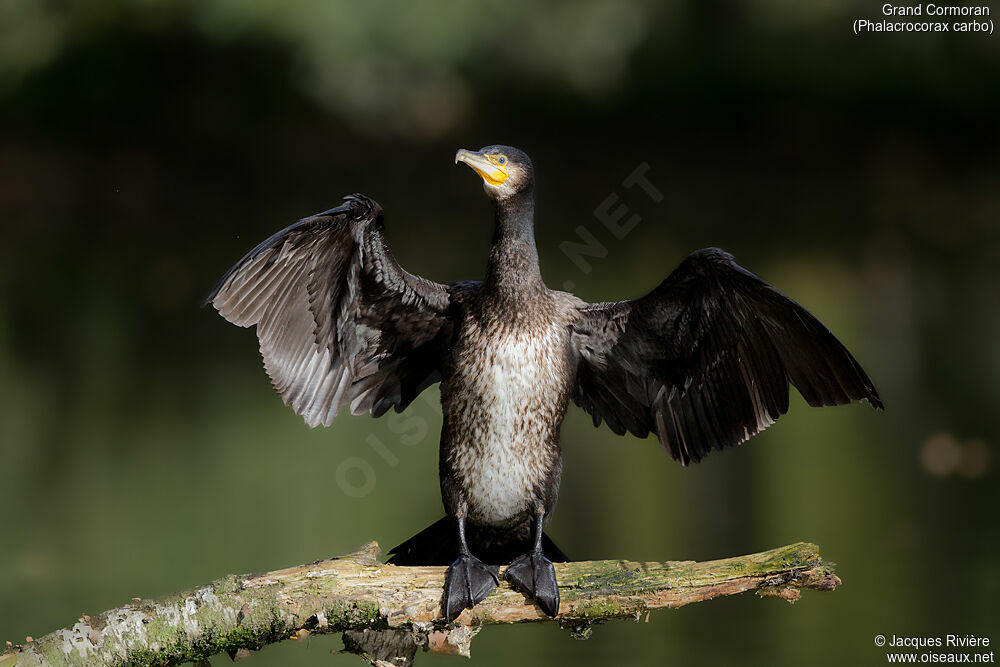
column 339, row 322
column 705, row 359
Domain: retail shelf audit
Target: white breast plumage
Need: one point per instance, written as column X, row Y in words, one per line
column 505, row 410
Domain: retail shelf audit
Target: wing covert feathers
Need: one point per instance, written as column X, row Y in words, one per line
column 706, row 358
column 339, row 322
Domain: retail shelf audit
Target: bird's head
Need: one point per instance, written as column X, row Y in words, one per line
column 505, row 170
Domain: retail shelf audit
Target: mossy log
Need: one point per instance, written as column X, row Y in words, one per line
column 388, row 613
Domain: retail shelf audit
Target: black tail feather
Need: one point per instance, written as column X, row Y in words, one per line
column 438, row 545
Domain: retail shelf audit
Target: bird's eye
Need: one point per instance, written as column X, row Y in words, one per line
column 502, row 160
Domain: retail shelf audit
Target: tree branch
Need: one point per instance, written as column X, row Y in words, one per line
column 388, row 612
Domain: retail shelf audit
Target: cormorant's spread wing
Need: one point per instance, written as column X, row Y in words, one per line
column 705, row 359
column 337, row 318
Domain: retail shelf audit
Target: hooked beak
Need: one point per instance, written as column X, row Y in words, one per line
column 486, row 166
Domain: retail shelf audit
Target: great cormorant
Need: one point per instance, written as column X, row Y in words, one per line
column 704, row 361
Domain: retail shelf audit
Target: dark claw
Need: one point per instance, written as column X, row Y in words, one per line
column 534, row 575
column 468, row 582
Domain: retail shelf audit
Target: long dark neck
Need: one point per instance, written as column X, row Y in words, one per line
column 513, row 265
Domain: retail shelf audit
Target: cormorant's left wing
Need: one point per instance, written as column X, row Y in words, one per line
column 705, row 359
column 339, row 321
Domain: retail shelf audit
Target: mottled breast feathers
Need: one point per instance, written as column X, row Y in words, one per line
column 705, row 359
column 338, row 320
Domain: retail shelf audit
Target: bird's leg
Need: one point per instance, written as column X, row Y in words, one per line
column 534, row 574
column 469, row 580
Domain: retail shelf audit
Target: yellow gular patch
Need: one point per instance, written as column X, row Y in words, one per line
column 498, row 175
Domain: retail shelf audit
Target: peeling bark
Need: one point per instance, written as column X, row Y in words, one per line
column 388, row 613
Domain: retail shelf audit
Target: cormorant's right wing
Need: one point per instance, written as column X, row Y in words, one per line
column 705, row 359
column 339, row 321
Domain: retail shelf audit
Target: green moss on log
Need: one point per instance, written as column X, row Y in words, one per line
column 356, row 592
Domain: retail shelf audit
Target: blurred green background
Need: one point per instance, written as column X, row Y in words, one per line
column 145, row 145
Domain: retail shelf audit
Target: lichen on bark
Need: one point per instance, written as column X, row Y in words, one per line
column 397, row 609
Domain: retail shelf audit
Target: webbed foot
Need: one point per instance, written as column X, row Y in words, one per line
column 534, row 575
column 468, row 582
